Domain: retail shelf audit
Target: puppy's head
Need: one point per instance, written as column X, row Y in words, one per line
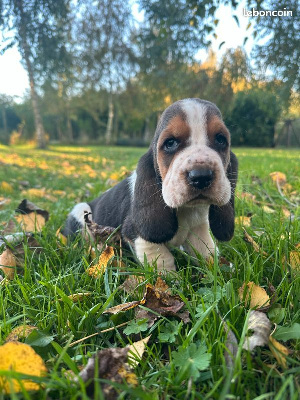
column 192, row 152
column 188, row 163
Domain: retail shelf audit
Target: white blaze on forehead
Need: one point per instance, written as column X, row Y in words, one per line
column 196, row 114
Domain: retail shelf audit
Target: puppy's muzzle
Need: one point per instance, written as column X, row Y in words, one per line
column 200, row 178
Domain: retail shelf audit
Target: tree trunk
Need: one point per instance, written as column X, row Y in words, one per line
column 108, row 133
column 40, row 133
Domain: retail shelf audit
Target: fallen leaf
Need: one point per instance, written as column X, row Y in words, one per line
column 245, row 221
column 97, row 270
column 254, row 294
column 31, row 222
column 261, row 326
column 268, row 210
column 19, row 357
column 248, row 196
column 31, row 217
column 287, row 187
column 136, row 351
column 286, row 212
column 6, row 187
column 158, row 300
column 8, row 263
column 124, row 307
column 111, row 365
column 279, row 177
column 279, row 351
column 20, row 332
column 295, row 257
column 101, row 233
column 131, row 283
column 253, row 243
column 4, row 202
column 62, row 238
column 78, row 296
column 231, row 345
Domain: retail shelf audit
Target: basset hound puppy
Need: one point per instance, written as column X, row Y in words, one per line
column 183, row 186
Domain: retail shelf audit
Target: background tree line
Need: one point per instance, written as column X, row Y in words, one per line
column 99, row 76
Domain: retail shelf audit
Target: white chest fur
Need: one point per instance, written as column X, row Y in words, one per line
column 188, row 219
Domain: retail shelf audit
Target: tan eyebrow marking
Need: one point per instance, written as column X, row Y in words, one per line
column 178, row 128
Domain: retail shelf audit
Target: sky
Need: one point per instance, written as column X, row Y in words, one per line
column 14, row 79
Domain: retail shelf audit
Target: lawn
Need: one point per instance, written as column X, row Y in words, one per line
column 182, row 360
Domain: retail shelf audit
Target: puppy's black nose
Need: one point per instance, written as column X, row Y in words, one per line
column 200, row 178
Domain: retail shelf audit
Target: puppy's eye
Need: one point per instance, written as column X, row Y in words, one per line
column 221, row 140
column 171, row 145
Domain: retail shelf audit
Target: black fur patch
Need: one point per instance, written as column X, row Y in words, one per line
column 221, row 219
column 150, row 217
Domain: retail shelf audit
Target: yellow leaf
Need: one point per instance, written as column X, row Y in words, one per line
column 78, row 296
column 137, row 350
column 287, row 187
column 97, row 270
column 295, row 257
column 20, row 332
column 268, row 210
column 61, row 237
column 279, row 177
column 279, row 351
column 6, row 187
column 8, row 264
column 286, row 212
column 130, row 377
column 245, row 221
column 114, row 176
column 31, row 222
column 35, row 192
column 19, row 357
column 257, row 296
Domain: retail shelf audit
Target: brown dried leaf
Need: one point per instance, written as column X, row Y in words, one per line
column 8, row 263
column 131, row 283
column 279, row 351
column 257, row 296
column 98, row 270
column 260, row 324
column 231, row 345
column 124, row 307
column 161, row 302
column 20, row 332
column 249, row 239
column 111, row 365
column 101, row 233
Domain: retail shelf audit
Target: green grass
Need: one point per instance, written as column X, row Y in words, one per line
column 33, row 297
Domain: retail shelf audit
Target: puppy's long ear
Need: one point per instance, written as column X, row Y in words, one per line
column 221, row 219
column 153, row 220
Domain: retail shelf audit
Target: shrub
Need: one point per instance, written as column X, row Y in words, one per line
column 252, row 118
